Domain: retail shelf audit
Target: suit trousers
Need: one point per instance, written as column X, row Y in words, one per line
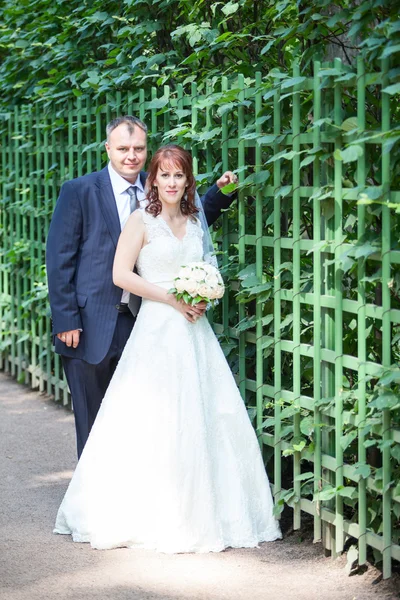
column 88, row 383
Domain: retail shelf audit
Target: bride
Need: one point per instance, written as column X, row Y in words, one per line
column 172, row 462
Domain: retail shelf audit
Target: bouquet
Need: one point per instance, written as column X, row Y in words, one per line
column 198, row 282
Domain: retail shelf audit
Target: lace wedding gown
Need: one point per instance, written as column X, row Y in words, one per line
column 172, row 462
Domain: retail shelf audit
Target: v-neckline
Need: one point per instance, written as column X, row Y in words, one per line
column 171, row 232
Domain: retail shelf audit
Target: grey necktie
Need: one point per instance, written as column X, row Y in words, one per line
column 132, row 198
column 134, row 301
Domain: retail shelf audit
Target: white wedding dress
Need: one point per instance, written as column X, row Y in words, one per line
column 172, row 462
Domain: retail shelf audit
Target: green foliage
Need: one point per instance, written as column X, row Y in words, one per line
column 51, row 49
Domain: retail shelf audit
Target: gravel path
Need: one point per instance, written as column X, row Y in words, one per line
column 37, row 450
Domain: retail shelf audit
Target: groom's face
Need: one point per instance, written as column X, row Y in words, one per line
column 127, row 150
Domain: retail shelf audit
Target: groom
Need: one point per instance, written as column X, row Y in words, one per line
column 90, row 315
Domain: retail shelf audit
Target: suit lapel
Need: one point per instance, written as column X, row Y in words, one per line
column 143, row 177
column 108, row 205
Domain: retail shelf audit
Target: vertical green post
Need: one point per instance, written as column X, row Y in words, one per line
column 361, row 317
column 15, row 281
column 242, row 233
column 209, row 153
column 277, row 303
column 259, row 269
column 99, row 136
column 39, row 196
column 24, row 348
column 328, row 329
column 296, row 292
column 32, row 243
column 386, row 328
column 225, row 220
column 338, row 322
column 195, row 111
column 317, row 275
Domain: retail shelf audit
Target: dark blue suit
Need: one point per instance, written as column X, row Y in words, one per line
column 81, row 245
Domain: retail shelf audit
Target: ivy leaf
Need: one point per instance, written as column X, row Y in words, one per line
column 362, row 470
column 350, row 154
column 267, row 342
column 292, row 81
column 256, row 178
column 299, row 447
column 392, row 89
column 389, row 50
column 304, row 476
column 157, row 103
column 246, row 323
column 347, row 491
column 346, row 439
column 283, row 191
column 307, row 426
column 286, row 321
column 349, row 124
column 230, row 8
column 248, row 271
column 387, row 400
column 327, row 493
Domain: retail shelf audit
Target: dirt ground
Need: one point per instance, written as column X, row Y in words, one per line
column 37, row 449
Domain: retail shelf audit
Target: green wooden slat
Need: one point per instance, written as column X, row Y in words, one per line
column 339, row 480
column 100, row 135
column 328, row 335
column 386, row 330
column 154, row 130
column 242, row 229
column 167, row 116
column 296, row 291
column 16, row 293
column 79, row 136
column 194, row 119
column 317, row 274
column 361, row 325
column 209, row 126
column 24, row 347
column 259, row 272
column 225, row 220
column 4, row 322
column 277, row 304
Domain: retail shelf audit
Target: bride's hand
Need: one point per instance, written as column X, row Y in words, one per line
column 191, row 313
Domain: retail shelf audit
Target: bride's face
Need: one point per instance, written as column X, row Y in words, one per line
column 171, row 183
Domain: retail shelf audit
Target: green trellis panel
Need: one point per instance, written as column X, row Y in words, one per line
column 43, row 146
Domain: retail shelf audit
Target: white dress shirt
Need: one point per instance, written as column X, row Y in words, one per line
column 122, row 200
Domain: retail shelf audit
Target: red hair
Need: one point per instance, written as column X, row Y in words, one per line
column 182, row 159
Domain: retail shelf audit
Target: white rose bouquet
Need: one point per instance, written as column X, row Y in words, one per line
column 198, row 282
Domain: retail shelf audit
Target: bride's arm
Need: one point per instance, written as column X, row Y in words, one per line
column 131, row 241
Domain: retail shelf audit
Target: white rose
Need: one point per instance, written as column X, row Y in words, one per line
column 185, row 272
column 204, row 290
column 211, row 280
column 198, row 274
column 217, row 292
column 209, row 268
column 220, row 291
column 191, row 286
column 180, row 285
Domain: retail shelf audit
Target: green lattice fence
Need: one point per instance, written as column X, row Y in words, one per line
column 311, row 324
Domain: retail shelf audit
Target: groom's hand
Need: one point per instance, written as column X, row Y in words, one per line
column 227, row 178
column 70, row 338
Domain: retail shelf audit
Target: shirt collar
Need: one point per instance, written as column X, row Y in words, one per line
column 119, row 184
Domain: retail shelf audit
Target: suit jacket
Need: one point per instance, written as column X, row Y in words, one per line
column 80, row 251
